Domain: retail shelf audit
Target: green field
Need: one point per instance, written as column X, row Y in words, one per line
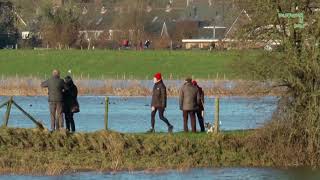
column 102, row 64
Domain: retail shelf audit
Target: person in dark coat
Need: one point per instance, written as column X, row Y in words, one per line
column 71, row 104
column 55, row 87
column 159, row 102
column 189, row 101
column 200, row 111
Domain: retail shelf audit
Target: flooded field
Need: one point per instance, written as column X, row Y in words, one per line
column 132, row 114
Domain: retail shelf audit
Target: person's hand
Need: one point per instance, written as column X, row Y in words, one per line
column 153, row 108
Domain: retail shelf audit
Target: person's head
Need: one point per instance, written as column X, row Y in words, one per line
column 188, row 80
column 157, row 77
column 194, row 82
column 56, row 73
column 68, row 80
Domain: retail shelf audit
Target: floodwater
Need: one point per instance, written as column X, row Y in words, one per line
column 203, row 174
column 132, row 114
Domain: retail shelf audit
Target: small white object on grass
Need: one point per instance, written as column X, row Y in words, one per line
column 210, row 130
column 69, row 71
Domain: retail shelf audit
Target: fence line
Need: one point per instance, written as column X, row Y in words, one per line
column 119, row 76
column 9, row 104
column 234, row 113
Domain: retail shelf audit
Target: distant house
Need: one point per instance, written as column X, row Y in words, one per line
column 217, row 36
column 162, row 20
column 242, row 19
column 25, row 35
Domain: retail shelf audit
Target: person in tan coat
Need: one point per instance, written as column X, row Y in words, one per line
column 189, row 101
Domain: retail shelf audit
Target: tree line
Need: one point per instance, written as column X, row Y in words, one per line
column 59, row 26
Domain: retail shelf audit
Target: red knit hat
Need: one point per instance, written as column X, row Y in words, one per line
column 158, row 76
column 194, row 83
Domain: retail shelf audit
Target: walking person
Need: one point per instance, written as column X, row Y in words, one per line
column 200, row 111
column 189, row 100
column 55, row 87
column 159, row 102
column 71, row 104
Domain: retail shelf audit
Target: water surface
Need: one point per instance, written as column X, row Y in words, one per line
column 203, row 174
column 133, row 114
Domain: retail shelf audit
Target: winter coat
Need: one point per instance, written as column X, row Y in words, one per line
column 70, row 97
column 159, row 95
column 189, row 99
column 55, row 87
column 201, row 105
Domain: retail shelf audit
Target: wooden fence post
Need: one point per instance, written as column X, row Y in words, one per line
column 39, row 125
column 106, row 114
column 7, row 115
column 216, row 115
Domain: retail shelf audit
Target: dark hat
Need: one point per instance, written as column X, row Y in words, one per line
column 68, row 80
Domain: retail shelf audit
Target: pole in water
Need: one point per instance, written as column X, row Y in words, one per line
column 106, row 114
column 216, row 115
column 6, row 119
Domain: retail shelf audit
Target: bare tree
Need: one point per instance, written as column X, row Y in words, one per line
column 186, row 30
column 295, row 25
column 131, row 19
column 8, row 30
column 60, row 26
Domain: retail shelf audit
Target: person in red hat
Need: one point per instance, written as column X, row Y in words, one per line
column 159, row 102
column 200, row 111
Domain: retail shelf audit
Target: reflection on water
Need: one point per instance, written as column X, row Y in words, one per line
column 214, row 174
column 133, row 114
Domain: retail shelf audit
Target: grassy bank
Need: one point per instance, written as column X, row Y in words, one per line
column 101, row 64
column 34, row 152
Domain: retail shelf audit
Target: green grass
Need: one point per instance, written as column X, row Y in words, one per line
column 114, row 64
column 30, row 151
column 235, row 133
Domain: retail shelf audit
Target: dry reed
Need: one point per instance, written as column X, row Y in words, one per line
column 31, row 87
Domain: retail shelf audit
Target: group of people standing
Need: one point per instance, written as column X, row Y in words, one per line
column 62, row 100
column 191, row 101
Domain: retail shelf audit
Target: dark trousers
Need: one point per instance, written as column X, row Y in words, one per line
column 56, row 116
column 192, row 115
column 200, row 120
column 70, row 121
column 161, row 116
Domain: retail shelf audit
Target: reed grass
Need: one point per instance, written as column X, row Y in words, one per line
column 31, row 87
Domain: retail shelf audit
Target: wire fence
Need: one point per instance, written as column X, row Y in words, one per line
column 118, row 76
column 132, row 114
